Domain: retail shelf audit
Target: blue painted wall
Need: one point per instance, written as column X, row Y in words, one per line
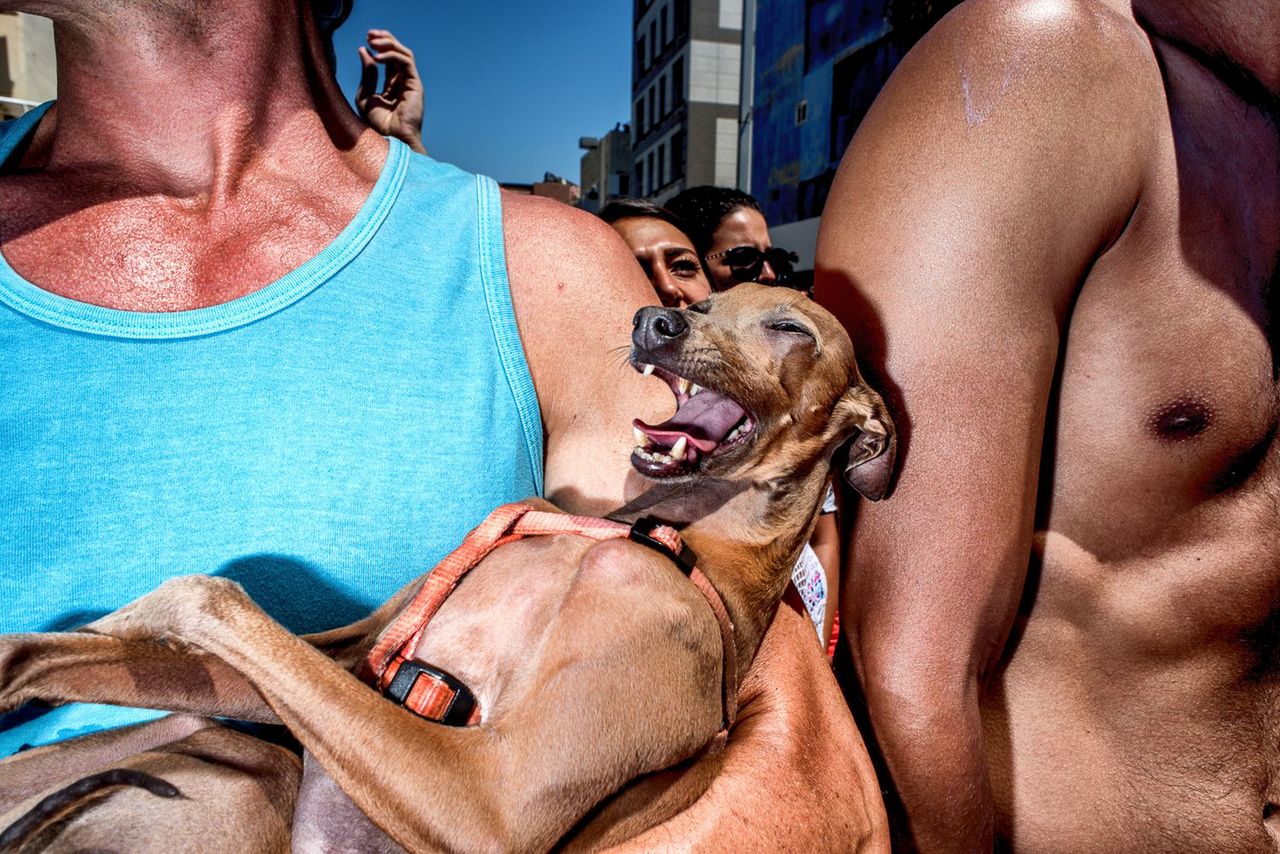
column 832, row 56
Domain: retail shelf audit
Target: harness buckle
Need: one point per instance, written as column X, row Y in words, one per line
column 460, row 707
column 641, row 532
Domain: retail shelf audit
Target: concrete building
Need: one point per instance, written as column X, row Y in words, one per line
column 551, row 186
column 818, row 65
column 606, row 167
column 684, row 91
column 28, row 70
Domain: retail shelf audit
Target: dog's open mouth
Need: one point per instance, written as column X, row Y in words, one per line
column 707, row 423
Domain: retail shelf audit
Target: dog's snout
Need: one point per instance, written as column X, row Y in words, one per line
column 655, row 328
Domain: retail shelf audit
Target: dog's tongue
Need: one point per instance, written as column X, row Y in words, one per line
column 704, row 419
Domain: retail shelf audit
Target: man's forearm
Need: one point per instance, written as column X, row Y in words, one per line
column 796, row 774
column 933, row 748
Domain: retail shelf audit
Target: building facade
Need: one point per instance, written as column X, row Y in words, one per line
column 28, row 70
column 606, row 168
column 818, row 65
column 686, row 65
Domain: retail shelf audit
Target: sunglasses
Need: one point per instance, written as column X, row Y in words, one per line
column 746, row 263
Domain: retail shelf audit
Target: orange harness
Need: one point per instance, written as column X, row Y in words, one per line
column 438, row 696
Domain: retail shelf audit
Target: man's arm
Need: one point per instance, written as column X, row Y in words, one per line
column 796, row 774
column 575, row 287
column 1001, row 160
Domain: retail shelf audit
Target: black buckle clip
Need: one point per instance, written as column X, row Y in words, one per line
column 460, row 707
column 640, row 532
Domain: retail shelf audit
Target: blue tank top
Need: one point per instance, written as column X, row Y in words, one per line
column 323, row 440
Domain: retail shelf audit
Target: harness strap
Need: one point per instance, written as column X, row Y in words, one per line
column 436, row 695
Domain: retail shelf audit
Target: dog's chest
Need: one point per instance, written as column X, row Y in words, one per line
column 491, row 628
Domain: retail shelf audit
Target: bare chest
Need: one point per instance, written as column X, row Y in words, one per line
column 1165, row 470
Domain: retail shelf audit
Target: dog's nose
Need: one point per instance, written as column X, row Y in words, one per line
column 654, row 328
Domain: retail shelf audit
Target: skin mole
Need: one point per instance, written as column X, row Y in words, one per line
column 1181, row 419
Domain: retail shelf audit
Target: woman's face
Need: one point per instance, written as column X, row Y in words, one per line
column 743, row 227
column 668, row 259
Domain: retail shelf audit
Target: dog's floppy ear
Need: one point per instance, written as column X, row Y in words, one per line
column 872, row 446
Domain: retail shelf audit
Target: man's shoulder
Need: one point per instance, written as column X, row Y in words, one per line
column 1074, row 30
column 561, row 255
column 1062, row 60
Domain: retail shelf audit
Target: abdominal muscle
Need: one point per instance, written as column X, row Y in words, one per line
column 1132, row 714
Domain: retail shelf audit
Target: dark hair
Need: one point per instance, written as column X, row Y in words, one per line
column 329, row 15
column 642, row 209
column 704, row 207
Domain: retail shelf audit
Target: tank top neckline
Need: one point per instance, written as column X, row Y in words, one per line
column 35, row 302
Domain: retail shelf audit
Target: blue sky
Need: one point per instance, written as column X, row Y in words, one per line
column 510, row 86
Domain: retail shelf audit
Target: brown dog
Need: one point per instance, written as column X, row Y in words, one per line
column 594, row 664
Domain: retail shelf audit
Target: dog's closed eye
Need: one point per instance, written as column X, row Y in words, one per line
column 793, row 327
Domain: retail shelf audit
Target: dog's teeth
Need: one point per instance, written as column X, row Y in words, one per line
column 694, row 389
column 642, row 441
column 647, row 370
column 682, row 385
column 677, row 450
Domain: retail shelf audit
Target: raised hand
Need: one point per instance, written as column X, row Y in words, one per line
column 395, row 109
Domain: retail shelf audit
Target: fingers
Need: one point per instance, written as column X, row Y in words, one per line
column 384, row 40
column 388, row 49
column 368, row 75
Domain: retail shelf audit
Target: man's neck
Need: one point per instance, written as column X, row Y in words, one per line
column 186, row 105
column 190, row 159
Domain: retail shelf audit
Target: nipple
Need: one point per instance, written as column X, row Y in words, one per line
column 1182, row 419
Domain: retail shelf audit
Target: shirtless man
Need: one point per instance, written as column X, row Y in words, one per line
column 1060, row 221
column 171, row 214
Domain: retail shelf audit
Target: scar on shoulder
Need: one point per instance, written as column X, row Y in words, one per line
column 1181, row 419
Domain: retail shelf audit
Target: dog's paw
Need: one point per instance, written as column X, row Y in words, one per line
column 176, row 612
column 16, row 651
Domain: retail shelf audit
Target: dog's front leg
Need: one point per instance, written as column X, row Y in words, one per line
column 428, row 786
column 83, row 667
column 517, row 782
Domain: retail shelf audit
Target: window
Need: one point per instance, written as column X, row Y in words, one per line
column 652, row 178
column 662, row 96
column 653, row 105
column 677, row 155
column 666, row 31
column 677, row 82
column 640, row 176
column 654, row 47
column 624, row 184
column 642, row 61
column 662, row 165
column 640, row 126
column 802, row 112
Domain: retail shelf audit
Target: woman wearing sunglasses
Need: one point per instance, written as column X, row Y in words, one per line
column 731, row 237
